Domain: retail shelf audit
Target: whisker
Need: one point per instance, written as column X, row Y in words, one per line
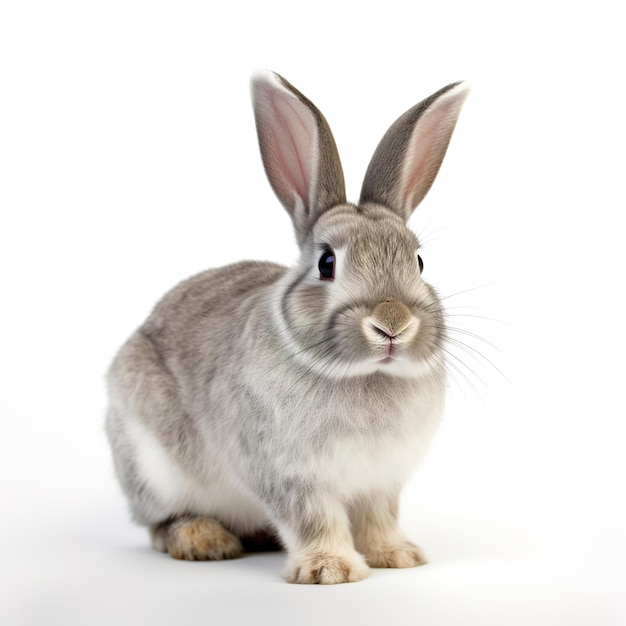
column 468, row 333
column 452, row 369
column 480, row 317
column 476, row 355
column 459, row 293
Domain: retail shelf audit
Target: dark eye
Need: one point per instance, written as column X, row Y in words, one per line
column 421, row 263
column 327, row 265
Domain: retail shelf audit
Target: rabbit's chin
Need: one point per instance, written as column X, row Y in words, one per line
column 403, row 368
column 396, row 367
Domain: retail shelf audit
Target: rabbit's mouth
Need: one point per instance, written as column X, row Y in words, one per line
column 392, row 349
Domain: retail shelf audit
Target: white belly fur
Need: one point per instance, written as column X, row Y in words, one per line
column 179, row 493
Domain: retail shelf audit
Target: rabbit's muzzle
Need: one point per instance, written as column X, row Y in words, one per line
column 390, row 320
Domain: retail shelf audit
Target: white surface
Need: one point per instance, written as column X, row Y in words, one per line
column 128, row 161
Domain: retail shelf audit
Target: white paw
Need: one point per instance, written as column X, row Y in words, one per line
column 326, row 569
column 401, row 554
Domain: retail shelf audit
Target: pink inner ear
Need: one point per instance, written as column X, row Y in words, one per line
column 293, row 133
column 426, row 149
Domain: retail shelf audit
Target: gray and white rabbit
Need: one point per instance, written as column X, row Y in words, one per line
column 260, row 400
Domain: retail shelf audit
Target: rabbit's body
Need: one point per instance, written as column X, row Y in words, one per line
column 291, row 401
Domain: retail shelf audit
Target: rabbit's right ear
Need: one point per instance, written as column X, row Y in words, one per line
column 298, row 150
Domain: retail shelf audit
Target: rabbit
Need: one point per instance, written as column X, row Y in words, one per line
column 288, row 406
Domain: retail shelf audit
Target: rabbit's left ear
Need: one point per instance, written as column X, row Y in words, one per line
column 298, row 151
column 410, row 153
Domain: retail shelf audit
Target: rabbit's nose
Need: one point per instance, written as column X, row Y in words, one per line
column 391, row 318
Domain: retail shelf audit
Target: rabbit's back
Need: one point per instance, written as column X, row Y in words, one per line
column 208, row 306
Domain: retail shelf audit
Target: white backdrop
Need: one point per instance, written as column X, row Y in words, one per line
column 128, row 161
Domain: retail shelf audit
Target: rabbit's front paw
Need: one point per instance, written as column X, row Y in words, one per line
column 401, row 554
column 326, row 569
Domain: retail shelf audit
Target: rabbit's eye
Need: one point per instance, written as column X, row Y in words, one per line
column 421, row 263
column 326, row 265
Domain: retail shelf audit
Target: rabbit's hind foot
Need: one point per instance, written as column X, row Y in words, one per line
column 194, row 538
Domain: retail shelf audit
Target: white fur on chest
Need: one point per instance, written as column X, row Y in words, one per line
column 357, row 450
column 379, row 463
column 382, row 467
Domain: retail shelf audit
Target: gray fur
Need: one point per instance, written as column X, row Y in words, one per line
column 263, row 391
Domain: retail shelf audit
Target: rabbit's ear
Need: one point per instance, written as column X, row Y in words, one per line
column 409, row 155
column 298, row 150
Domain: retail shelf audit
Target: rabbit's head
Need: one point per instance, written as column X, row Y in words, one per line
column 356, row 302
